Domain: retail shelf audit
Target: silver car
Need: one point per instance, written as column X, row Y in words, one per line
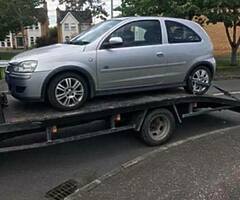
column 117, row 56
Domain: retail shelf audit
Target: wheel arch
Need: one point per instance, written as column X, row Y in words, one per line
column 85, row 74
column 202, row 63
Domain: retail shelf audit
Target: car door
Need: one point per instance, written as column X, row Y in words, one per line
column 138, row 61
column 182, row 49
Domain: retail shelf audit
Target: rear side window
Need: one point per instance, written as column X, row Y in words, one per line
column 179, row 33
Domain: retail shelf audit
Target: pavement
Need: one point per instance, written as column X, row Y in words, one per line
column 201, row 167
column 28, row 175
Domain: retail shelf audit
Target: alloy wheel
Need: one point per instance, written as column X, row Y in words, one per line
column 200, row 76
column 69, row 92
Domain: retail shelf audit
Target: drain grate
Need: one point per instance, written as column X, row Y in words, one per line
column 62, row 191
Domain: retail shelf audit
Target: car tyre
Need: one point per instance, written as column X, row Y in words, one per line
column 158, row 127
column 67, row 91
column 201, row 74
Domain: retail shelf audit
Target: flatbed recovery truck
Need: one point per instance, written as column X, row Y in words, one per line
column 153, row 114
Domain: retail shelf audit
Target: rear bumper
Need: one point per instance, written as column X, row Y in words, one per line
column 26, row 87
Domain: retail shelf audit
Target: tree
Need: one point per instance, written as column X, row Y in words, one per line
column 176, row 8
column 51, row 38
column 16, row 15
column 7, row 21
column 96, row 6
column 227, row 12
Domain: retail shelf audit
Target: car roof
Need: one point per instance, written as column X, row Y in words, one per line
column 149, row 17
column 145, row 18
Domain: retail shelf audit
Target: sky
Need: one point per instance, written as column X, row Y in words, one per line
column 53, row 4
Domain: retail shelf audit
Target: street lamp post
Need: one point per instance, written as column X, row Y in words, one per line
column 111, row 8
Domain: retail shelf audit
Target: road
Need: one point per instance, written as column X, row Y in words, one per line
column 28, row 175
column 203, row 167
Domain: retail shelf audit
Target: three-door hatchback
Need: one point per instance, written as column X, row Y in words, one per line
column 116, row 56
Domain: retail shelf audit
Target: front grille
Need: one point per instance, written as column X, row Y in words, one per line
column 9, row 68
column 62, row 191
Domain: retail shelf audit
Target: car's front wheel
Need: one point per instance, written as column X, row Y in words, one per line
column 199, row 80
column 67, row 91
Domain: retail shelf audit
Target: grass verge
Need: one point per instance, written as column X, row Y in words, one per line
column 224, row 68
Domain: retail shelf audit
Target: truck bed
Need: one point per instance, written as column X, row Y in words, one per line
column 18, row 112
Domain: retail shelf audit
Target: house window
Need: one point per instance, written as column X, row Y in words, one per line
column 66, row 27
column 36, row 27
column 32, row 41
column 19, row 42
column 3, row 44
column 8, row 42
column 73, row 27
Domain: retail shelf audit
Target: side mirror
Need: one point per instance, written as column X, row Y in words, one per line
column 115, row 41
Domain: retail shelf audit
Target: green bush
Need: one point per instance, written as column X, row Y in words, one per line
column 1, row 73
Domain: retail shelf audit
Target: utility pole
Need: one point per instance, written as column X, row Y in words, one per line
column 111, row 8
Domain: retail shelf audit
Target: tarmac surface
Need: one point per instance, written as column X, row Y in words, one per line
column 202, row 168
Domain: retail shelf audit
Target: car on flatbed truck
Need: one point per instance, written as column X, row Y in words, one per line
column 117, row 56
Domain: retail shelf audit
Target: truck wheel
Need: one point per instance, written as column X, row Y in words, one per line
column 158, row 126
column 200, row 74
column 67, row 91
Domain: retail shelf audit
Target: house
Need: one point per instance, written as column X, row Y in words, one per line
column 71, row 23
column 32, row 33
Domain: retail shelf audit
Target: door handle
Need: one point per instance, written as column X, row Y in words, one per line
column 160, row 54
column 106, row 67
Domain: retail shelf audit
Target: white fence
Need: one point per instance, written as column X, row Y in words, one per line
column 3, row 63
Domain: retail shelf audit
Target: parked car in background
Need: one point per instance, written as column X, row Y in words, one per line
column 117, row 56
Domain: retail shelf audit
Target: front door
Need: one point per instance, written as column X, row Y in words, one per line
column 139, row 61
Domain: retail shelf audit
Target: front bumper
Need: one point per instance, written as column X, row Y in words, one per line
column 26, row 87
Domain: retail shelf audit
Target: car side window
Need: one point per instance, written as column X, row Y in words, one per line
column 139, row 33
column 180, row 33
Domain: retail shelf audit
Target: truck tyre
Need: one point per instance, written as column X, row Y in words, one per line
column 157, row 127
column 67, row 91
column 201, row 74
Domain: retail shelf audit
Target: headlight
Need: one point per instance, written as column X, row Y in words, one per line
column 26, row 66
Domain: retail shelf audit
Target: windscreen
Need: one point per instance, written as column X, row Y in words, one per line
column 95, row 32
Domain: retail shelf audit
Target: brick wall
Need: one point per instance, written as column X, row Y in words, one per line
column 219, row 38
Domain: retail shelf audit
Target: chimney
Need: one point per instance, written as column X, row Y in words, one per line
column 58, row 14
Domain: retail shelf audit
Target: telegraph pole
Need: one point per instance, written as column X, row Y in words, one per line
column 111, row 8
